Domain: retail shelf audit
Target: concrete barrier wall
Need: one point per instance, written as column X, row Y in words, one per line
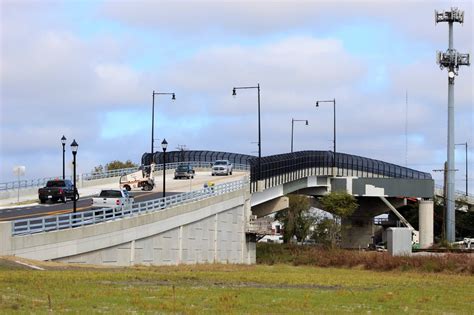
column 210, row 230
column 97, row 182
column 32, row 192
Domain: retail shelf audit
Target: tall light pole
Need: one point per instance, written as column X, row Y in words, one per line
column 74, row 147
column 259, row 126
column 173, row 97
column 467, row 173
column 63, row 142
column 451, row 60
column 164, row 145
column 333, row 101
column 292, row 129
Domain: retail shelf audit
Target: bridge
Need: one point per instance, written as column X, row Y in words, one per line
column 215, row 224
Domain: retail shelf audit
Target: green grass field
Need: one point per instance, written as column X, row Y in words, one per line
column 227, row 289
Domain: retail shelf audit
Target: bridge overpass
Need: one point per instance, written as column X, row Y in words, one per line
column 215, row 226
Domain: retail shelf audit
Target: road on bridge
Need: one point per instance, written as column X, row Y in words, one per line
column 173, row 186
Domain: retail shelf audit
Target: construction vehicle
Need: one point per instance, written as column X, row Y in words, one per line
column 143, row 178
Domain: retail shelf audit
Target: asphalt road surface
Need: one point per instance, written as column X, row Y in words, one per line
column 84, row 204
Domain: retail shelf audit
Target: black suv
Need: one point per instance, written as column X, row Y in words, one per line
column 57, row 189
column 185, row 170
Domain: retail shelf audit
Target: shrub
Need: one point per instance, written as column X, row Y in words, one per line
column 310, row 255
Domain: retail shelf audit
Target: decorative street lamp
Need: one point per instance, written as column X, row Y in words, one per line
column 164, row 145
column 292, row 128
column 74, row 147
column 173, row 97
column 259, row 126
column 334, row 106
column 63, row 142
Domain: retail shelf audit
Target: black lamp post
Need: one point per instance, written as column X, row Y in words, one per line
column 164, row 145
column 292, row 129
column 173, row 97
column 74, row 147
column 334, row 106
column 63, row 142
column 467, row 180
column 259, row 128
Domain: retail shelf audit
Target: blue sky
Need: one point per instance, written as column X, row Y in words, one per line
column 89, row 67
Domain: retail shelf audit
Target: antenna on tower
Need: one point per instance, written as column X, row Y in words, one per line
column 451, row 59
column 406, row 128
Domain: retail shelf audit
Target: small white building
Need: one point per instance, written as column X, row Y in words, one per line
column 276, row 235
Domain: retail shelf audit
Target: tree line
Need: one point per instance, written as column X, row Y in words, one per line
column 300, row 223
column 114, row 165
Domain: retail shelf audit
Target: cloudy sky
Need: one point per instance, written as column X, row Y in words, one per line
column 87, row 69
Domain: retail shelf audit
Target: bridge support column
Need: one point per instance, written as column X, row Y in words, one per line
column 357, row 232
column 425, row 214
column 249, row 241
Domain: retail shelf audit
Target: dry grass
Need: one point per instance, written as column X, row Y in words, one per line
column 232, row 289
column 381, row 261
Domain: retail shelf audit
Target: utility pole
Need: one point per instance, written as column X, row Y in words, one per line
column 467, row 172
column 451, row 59
column 445, row 199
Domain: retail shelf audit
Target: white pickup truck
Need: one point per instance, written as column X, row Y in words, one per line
column 222, row 167
column 118, row 199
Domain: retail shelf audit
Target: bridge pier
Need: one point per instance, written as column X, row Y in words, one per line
column 358, row 230
column 425, row 215
column 357, row 233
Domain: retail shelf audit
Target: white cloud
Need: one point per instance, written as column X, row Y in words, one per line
column 61, row 82
column 412, row 19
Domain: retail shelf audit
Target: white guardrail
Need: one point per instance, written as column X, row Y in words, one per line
column 40, row 182
column 73, row 220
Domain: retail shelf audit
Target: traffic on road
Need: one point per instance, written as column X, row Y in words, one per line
column 51, row 207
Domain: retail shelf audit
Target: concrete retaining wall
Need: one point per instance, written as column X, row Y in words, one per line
column 30, row 192
column 210, row 230
column 97, row 182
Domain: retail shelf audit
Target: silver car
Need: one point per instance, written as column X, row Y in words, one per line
column 222, row 167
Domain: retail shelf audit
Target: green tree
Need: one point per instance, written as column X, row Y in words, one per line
column 341, row 205
column 297, row 219
column 464, row 219
column 98, row 169
column 116, row 165
column 326, row 232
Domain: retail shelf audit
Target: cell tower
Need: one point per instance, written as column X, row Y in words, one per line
column 451, row 60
